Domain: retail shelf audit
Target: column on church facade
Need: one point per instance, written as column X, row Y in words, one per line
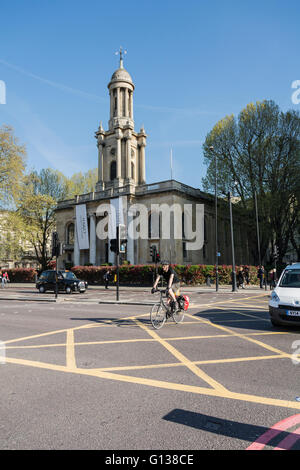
column 92, row 239
column 128, row 157
column 142, row 164
column 111, row 103
column 118, row 158
column 130, row 240
column 100, row 162
column 126, row 103
column 111, row 254
column 131, row 104
column 118, row 102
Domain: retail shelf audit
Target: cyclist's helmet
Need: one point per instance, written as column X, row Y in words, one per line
column 165, row 262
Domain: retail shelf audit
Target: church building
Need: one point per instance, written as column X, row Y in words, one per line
column 180, row 212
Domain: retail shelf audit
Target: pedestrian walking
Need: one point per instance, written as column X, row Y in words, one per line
column 241, row 278
column 273, row 278
column 260, row 276
column 247, row 275
column 107, row 277
column 5, row 279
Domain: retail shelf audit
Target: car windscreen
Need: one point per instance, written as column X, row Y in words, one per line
column 43, row 276
column 69, row 275
column 291, row 278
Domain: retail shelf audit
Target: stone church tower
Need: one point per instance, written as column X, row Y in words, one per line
column 121, row 176
column 121, row 151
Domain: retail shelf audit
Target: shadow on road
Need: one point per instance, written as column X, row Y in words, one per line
column 122, row 323
column 228, row 428
column 243, row 319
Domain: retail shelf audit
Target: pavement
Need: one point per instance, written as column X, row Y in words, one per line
column 128, row 295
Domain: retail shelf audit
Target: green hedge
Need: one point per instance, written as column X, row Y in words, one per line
column 144, row 274
column 141, row 274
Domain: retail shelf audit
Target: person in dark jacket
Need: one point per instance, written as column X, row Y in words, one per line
column 247, row 275
column 260, row 276
column 107, row 277
column 241, row 278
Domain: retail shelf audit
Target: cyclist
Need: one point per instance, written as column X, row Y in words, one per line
column 173, row 284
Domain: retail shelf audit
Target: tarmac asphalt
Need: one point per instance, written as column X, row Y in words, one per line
column 87, row 373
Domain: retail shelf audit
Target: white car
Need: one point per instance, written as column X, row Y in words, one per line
column 284, row 304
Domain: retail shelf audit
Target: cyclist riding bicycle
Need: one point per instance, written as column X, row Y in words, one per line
column 173, row 284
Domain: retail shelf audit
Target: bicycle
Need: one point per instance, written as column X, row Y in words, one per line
column 161, row 311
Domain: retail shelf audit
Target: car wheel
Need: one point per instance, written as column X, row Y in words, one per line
column 42, row 289
column 275, row 323
column 68, row 290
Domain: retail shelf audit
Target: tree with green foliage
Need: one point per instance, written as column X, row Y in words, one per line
column 259, row 154
column 12, row 166
column 35, row 210
column 81, row 183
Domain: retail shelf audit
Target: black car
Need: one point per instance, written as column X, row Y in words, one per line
column 66, row 281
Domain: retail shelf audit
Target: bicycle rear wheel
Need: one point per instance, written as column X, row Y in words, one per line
column 178, row 316
column 157, row 316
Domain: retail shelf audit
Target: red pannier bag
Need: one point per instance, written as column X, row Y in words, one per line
column 186, row 302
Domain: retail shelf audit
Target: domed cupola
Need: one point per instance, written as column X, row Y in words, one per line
column 121, row 75
column 121, row 89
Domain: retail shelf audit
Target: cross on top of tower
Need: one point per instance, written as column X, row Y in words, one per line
column 121, row 52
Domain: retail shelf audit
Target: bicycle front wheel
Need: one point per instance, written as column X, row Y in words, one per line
column 178, row 316
column 158, row 316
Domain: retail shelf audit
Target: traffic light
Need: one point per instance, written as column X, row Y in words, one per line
column 122, row 238
column 123, row 246
column 157, row 257
column 113, row 245
column 55, row 245
column 153, row 253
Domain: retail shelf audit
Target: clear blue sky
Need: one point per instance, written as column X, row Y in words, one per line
column 193, row 62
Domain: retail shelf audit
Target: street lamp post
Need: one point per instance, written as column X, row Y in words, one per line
column 216, row 221
column 234, row 288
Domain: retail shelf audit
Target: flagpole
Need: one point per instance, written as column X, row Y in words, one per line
column 171, row 163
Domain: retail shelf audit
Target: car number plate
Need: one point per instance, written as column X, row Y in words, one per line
column 293, row 313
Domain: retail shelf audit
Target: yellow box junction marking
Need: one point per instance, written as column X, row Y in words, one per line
column 215, row 388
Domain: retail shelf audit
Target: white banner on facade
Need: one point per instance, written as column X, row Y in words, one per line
column 82, row 227
column 118, row 206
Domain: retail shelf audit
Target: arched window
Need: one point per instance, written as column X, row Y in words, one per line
column 113, row 170
column 70, row 234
